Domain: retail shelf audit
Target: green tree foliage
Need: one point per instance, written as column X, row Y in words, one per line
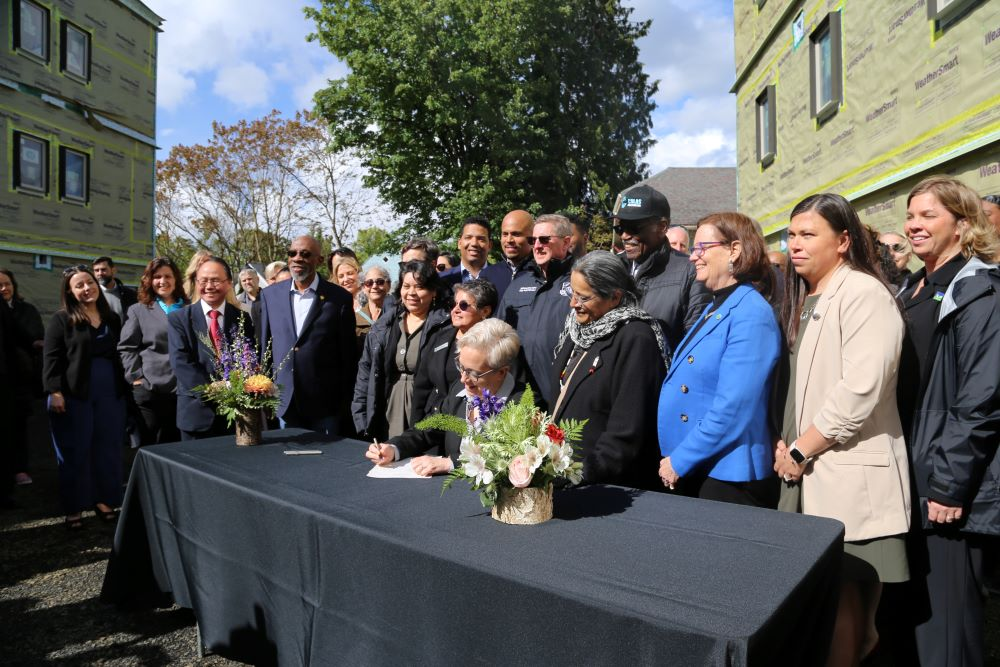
column 462, row 107
column 373, row 241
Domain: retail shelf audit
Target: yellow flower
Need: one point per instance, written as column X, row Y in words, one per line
column 258, row 384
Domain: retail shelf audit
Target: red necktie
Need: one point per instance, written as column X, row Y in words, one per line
column 213, row 329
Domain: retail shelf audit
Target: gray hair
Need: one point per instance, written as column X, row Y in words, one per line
column 247, row 272
column 482, row 291
column 494, row 337
column 687, row 234
column 381, row 270
column 606, row 273
column 563, row 227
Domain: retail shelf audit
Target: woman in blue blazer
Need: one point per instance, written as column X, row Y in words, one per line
column 713, row 424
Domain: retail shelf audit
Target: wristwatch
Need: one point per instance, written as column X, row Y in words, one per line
column 797, row 455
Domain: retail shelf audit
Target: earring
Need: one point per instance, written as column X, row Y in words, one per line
column 731, row 267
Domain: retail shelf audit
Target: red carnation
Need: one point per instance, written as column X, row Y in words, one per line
column 554, row 433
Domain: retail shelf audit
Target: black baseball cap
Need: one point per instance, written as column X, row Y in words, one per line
column 640, row 203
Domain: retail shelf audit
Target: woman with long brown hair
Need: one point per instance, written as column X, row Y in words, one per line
column 83, row 377
column 714, row 433
column 145, row 354
column 842, row 453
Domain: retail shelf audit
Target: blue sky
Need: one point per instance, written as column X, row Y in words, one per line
column 230, row 59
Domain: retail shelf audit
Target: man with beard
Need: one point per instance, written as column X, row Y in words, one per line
column 664, row 276
column 119, row 297
column 310, row 323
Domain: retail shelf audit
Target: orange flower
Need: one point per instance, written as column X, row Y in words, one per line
column 258, row 384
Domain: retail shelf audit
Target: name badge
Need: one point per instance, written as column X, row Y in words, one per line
column 440, row 347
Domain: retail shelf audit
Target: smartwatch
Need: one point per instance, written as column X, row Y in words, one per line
column 797, row 455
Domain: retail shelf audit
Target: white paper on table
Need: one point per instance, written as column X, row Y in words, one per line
column 395, row 470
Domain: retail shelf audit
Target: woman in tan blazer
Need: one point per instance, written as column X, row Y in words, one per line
column 842, row 453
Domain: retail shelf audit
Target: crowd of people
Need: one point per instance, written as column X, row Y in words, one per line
column 831, row 380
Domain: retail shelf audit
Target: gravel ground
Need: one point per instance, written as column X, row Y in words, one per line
column 50, row 581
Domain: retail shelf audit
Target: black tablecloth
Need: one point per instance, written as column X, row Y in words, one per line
column 305, row 560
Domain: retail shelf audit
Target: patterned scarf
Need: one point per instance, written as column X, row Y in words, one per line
column 585, row 335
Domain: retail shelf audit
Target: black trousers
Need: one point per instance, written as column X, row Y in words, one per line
column 950, row 632
column 756, row 493
column 157, row 416
column 218, row 428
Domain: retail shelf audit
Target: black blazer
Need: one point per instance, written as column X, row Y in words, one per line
column 617, row 387
column 193, row 362
column 415, row 442
column 436, row 372
column 66, row 357
column 322, row 361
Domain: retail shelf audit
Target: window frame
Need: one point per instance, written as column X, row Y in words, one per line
column 830, row 25
column 16, row 166
column 952, row 9
column 64, row 28
column 85, row 180
column 765, row 104
column 16, row 6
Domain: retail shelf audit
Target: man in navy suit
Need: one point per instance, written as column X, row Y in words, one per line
column 310, row 324
column 474, row 247
column 192, row 360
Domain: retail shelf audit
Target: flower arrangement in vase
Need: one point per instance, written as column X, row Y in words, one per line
column 241, row 386
column 511, row 454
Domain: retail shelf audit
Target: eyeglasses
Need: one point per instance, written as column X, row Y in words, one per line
column 582, row 300
column 631, row 228
column 304, row 254
column 900, row 247
column 464, row 305
column 475, row 376
column 214, row 282
column 698, row 249
column 79, row 268
column 442, row 267
column 544, row 240
column 371, row 282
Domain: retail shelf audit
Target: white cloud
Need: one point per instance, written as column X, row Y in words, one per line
column 244, row 84
column 689, row 47
column 697, row 113
column 219, row 39
column 706, row 148
column 173, row 88
column 303, row 93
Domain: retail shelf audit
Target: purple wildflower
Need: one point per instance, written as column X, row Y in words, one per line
column 488, row 405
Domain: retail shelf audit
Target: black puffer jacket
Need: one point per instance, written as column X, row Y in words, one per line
column 377, row 370
column 669, row 292
column 957, row 425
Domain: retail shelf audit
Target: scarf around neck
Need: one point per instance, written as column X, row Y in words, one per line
column 585, row 335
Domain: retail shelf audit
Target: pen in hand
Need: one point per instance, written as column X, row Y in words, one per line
column 375, row 452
